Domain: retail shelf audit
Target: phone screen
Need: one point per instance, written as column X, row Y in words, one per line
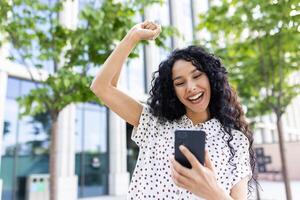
column 194, row 140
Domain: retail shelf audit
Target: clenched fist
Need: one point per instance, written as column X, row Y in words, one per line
column 145, row 31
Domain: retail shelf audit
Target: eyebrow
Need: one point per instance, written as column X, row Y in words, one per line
column 179, row 77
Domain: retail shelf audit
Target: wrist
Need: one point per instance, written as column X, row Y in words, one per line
column 131, row 39
column 220, row 194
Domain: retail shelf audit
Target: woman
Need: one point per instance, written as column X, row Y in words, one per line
column 190, row 90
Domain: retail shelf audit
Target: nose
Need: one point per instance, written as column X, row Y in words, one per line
column 191, row 87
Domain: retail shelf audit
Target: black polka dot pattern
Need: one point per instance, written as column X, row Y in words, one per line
column 152, row 175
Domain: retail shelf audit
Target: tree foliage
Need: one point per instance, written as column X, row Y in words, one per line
column 259, row 42
column 39, row 40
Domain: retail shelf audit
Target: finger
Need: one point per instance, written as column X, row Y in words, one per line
column 190, row 157
column 208, row 162
column 153, row 26
column 179, row 168
column 149, row 34
column 157, row 31
column 176, row 181
column 179, row 180
column 145, row 22
column 155, row 35
column 150, row 25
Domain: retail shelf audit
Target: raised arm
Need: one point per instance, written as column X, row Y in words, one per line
column 104, row 84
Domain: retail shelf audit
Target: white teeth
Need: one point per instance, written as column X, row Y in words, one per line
column 195, row 96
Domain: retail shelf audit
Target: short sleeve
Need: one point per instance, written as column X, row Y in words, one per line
column 243, row 167
column 142, row 132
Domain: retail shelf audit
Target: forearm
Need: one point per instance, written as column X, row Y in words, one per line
column 130, row 44
column 109, row 73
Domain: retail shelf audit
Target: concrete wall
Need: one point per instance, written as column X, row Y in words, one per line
column 292, row 158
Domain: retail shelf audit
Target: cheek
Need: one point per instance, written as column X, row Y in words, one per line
column 208, row 86
column 179, row 93
column 209, row 89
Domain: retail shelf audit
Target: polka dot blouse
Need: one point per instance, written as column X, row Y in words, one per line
column 152, row 175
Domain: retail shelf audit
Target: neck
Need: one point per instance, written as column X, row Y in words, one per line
column 198, row 117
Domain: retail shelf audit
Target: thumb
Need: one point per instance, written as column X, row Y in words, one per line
column 208, row 162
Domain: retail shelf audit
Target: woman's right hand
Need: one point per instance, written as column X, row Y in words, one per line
column 144, row 31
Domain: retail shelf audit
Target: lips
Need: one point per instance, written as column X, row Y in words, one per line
column 196, row 96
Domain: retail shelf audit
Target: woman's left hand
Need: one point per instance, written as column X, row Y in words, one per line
column 200, row 180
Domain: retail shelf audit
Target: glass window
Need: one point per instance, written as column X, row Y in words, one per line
column 95, row 124
column 263, row 136
column 258, row 136
column 91, row 150
column 27, row 86
column 294, row 113
column 165, row 21
column 185, row 20
column 13, row 88
column 34, row 135
column 25, row 142
column 10, row 127
column 134, row 71
column 162, row 16
column 274, row 136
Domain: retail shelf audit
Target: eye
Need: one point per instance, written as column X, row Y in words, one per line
column 179, row 84
column 197, row 76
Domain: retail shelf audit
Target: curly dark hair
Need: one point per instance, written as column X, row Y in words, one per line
column 223, row 105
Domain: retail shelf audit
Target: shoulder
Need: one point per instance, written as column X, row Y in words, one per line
column 146, row 126
column 239, row 140
column 146, row 117
column 146, row 112
column 156, row 118
column 239, row 135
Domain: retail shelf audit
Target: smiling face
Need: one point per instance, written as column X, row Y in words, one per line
column 192, row 89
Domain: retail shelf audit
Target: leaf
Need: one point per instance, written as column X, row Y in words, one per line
column 260, row 63
column 37, row 37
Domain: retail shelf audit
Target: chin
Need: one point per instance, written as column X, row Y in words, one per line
column 198, row 109
column 204, row 110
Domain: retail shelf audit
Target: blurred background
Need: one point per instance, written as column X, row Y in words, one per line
column 50, row 122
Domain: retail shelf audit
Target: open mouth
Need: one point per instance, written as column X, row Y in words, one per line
column 196, row 98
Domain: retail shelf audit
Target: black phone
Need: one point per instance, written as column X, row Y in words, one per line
column 194, row 140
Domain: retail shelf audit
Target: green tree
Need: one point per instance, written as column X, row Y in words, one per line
column 39, row 40
column 259, row 41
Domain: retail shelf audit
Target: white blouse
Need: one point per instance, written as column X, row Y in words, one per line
column 152, row 175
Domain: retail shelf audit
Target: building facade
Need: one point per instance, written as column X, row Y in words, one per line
column 96, row 156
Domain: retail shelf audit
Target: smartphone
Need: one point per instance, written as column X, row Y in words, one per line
column 194, row 140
